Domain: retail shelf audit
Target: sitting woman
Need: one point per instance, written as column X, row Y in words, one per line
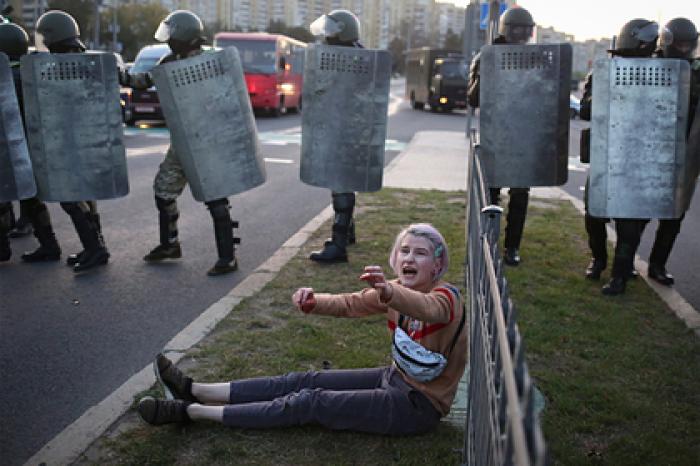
column 408, row 397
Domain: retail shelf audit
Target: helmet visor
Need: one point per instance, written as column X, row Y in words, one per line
column 163, row 32
column 325, row 26
column 647, row 33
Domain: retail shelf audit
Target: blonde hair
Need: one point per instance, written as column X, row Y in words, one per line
column 429, row 232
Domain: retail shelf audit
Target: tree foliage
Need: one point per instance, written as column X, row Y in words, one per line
column 138, row 23
column 452, row 41
column 397, row 47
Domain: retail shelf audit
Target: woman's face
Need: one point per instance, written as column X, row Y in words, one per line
column 415, row 263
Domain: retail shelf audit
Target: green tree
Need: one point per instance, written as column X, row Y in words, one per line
column 137, row 24
column 452, row 41
column 397, row 48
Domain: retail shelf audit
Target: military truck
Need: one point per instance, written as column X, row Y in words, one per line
column 437, row 77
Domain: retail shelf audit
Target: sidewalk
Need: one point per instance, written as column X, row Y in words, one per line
column 446, row 171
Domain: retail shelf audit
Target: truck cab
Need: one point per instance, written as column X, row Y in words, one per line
column 436, row 77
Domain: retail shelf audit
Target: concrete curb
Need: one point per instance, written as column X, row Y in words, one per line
column 680, row 307
column 67, row 446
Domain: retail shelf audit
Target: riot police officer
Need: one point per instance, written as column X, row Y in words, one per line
column 183, row 31
column 637, row 38
column 58, row 32
column 340, row 28
column 14, row 42
column 515, row 27
column 678, row 39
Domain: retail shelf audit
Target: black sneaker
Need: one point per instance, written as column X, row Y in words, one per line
column 161, row 252
column 159, row 412
column 176, row 385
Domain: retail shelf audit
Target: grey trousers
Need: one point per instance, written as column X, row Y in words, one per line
column 366, row 400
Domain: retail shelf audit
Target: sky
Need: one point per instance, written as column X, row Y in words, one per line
column 594, row 19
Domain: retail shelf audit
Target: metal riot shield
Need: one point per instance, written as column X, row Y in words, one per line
column 16, row 177
column 206, row 105
column 693, row 159
column 524, row 114
column 639, row 163
column 346, row 97
column 74, row 126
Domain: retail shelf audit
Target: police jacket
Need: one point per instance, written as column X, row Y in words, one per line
column 473, row 85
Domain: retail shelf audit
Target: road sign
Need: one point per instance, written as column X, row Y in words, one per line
column 484, row 14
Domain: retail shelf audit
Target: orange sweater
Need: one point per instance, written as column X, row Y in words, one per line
column 435, row 315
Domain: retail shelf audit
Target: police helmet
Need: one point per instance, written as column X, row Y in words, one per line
column 516, row 25
column 181, row 26
column 339, row 27
column 678, row 38
column 56, row 27
column 637, row 38
column 14, row 41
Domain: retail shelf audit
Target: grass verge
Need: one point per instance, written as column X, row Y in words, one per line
column 265, row 335
column 620, row 375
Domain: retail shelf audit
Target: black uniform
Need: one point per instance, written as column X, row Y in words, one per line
column 519, row 197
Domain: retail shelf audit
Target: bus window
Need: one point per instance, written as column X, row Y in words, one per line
column 256, row 56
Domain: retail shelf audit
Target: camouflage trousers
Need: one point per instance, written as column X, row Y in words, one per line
column 170, row 180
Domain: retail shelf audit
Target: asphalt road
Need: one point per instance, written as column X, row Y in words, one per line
column 67, row 341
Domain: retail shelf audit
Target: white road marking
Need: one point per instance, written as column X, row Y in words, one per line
column 272, row 160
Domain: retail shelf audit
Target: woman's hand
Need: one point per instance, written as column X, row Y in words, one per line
column 375, row 277
column 303, row 298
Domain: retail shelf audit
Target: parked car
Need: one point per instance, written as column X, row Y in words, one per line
column 144, row 104
column 574, row 107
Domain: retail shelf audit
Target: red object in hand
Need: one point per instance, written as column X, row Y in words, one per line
column 307, row 303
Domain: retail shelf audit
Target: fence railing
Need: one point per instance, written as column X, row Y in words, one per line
column 502, row 427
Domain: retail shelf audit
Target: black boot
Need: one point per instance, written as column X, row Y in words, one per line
column 223, row 234
column 94, row 252
column 94, row 219
column 5, row 251
column 48, row 249
column 334, row 250
column 5, row 219
column 169, row 247
column 23, row 226
column 595, row 268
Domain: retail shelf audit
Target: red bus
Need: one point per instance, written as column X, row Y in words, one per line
column 273, row 65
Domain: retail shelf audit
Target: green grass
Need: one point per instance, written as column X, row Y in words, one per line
column 621, row 375
column 266, row 335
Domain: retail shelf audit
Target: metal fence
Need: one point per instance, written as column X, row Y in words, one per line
column 502, row 426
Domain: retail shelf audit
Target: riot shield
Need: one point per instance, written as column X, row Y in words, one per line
column 639, row 163
column 16, row 177
column 206, row 105
column 74, row 126
column 693, row 159
column 346, row 96
column 524, row 114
